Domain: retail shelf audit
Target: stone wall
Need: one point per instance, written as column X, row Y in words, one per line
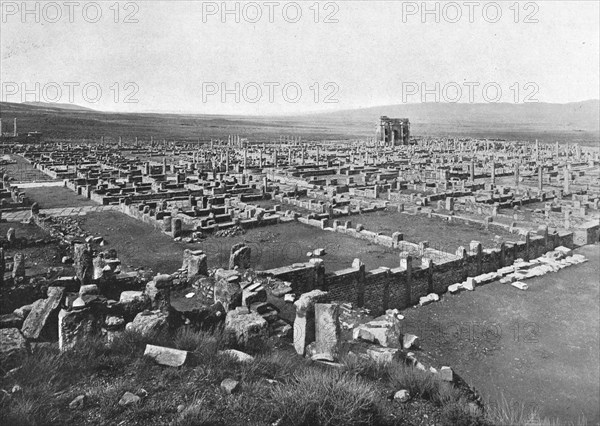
column 384, row 288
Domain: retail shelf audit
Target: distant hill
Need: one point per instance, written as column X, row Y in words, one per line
column 50, row 105
column 585, row 115
column 573, row 122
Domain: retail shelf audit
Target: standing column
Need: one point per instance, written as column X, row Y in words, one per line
column 472, row 171
column 566, row 182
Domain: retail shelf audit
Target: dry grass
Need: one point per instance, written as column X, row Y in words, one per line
column 276, row 386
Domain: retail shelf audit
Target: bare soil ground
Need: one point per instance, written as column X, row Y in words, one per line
column 140, row 245
column 285, row 244
column 537, row 347
column 57, row 196
column 442, row 235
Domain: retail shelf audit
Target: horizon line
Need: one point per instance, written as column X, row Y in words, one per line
column 75, row 106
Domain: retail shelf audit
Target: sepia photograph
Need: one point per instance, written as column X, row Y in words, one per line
column 300, row 213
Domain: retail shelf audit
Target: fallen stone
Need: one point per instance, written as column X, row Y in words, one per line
column 114, row 321
column 281, row 289
column 402, row 396
column 430, row 298
column 25, row 310
column 446, row 374
column 455, row 288
column 128, row 399
column 229, row 386
column 243, row 328
column 564, row 250
column 41, row 313
column 13, row 348
column 149, row 323
column 237, row 355
column 469, row 284
column 253, row 294
column 520, row 285
column 240, row 258
column 227, row 289
column 409, row 340
column 87, row 290
column 382, row 355
column 77, row 403
column 75, row 326
column 167, row 356
column 159, row 291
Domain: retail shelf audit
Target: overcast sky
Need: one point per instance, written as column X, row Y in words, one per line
column 178, row 56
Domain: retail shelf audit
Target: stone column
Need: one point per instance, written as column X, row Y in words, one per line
column 304, row 324
column 406, row 263
column 167, row 221
column 2, row 266
column 477, row 250
column 360, row 282
column 18, row 265
column 177, row 225
column 472, row 170
column 567, row 178
column 83, row 262
column 328, row 331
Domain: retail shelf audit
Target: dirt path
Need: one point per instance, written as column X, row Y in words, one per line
column 539, row 346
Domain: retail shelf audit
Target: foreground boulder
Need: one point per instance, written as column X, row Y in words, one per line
column 41, row 313
column 384, row 330
column 75, row 326
column 13, row 348
column 227, row 289
column 159, row 291
column 132, row 303
column 194, row 263
column 243, row 327
column 167, row 356
column 149, row 323
column 240, row 256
